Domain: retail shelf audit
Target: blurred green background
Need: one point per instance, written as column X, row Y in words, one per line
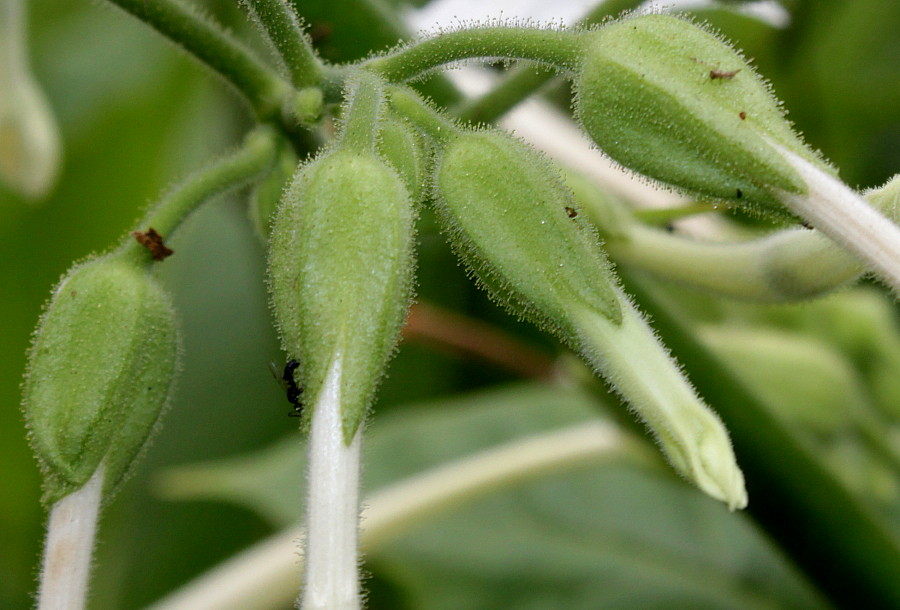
column 137, row 115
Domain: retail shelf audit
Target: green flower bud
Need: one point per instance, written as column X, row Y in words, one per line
column 267, row 193
column 99, row 374
column 511, row 218
column 672, row 101
column 406, row 152
column 340, row 266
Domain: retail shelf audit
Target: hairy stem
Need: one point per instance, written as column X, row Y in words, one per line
column 66, row 563
column 254, row 158
column 556, row 48
column 208, row 42
column 332, row 525
column 844, row 216
column 523, row 80
column 279, row 23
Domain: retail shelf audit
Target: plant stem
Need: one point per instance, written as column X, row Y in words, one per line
column 263, row 575
column 556, row 48
column 209, row 43
column 332, row 526
column 70, row 543
column 523, row 80
column 280, row 24
column 843, row 215
column 255, row 157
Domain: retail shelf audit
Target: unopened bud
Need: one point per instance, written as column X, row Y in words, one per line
column 511, row 218
column 99, row 374
column 340, row 267
column 670, row 100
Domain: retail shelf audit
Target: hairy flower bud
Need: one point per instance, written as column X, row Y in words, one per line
column 516, row 224
column 672, row 101
column 100, row 372
column 340, row 266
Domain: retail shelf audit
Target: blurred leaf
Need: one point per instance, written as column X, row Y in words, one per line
column 600, row 535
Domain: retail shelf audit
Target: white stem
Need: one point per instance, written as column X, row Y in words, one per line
column 332, row 539
column 843, row 215
column 70, row 543
column 264, row 576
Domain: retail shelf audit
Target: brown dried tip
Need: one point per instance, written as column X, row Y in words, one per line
column 153, row 241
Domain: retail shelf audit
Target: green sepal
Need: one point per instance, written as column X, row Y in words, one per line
column 266, row 194
column 100, row 372
column 516, row 225
column 406, row 151
column 340, row 267
column 670, row 100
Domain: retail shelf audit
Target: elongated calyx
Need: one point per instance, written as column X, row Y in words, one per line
column 340, row 267
column 515, row 224
column 99, row 374
column 672, row 101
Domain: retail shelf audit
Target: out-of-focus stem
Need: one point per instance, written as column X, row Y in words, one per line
column 332, row 545
column 66, row 564
column 431, row 324
column 209, row 43
column 264, row 575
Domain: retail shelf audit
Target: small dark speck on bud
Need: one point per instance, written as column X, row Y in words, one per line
column 743, row 115
column 738, row 193
column 572, row 213
column 722, row 74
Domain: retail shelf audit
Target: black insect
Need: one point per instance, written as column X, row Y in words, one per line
column 293, row 391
